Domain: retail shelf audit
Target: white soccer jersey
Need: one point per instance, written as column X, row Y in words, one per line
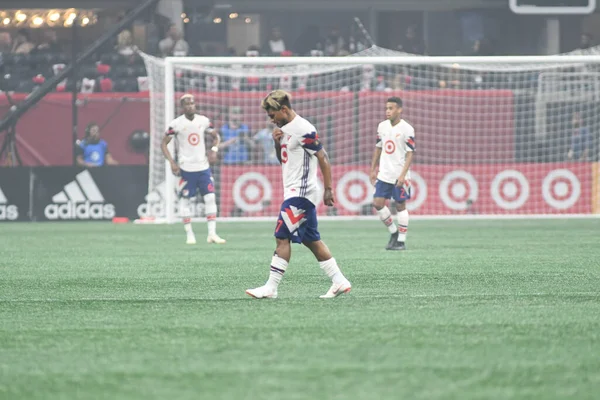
column 395, row 142
column 299, row 144
column 190, row 142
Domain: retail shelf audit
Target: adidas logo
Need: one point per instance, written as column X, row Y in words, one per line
column 8, row 212
column 155, row 204
column 80, row 199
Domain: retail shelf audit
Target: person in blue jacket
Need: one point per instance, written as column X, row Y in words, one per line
column 92, row 151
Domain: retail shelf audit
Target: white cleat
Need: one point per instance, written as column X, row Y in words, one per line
column 263, row 292
column 215, row 239
column 191, row 239
column 336, row 289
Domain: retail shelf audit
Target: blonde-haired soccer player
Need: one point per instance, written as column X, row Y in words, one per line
column 393, row 155
column 299, row 150
column 193, row 168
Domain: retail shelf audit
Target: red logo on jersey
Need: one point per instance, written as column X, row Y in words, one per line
column 284, row 154
column 389, row 146
column 194, row 139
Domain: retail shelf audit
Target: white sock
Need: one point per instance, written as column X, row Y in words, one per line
column 210, row 207
column 332, row 270
column 278, row 268
column 184, row 205
column 212, row 224
column 386, row 217
column 402, row 225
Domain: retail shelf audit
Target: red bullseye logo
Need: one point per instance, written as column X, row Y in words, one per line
column 284, row 153
column 251, row 191
column 354, row 190
column 390, row 146
column 194, row 139
column 510, row 189
column 561, row 189
column 457, row 188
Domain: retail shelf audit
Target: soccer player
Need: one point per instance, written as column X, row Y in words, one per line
column 299, row 150
column 393, row 155
column 189, row 129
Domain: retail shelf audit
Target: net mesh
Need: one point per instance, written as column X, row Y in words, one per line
column 492, row 138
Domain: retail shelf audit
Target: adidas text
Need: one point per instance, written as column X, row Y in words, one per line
column 87, row 210
column 8, row 212
column 158, row 209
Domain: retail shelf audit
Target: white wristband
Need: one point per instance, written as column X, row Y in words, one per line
column 215, row 149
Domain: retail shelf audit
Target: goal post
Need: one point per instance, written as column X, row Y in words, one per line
column 496, row 136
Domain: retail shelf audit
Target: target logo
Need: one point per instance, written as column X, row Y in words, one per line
column 561, row 189
column 456, row 188
column 418, row 191
column 354, row 190
column 251, row 190
column 194, row 139
column 284, row 153
column 510, row 189
column 389, row 147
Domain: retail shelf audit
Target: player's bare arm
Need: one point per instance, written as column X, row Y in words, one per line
column 402, row 178
column 81, row 162
column 216, row 138
column 325, row 167
column 375, row 164
column 165, row 142
column 277, row 135
column 109, row 159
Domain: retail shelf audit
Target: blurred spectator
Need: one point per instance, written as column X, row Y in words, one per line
column 93, row 151
column 235, row 135
column 173, row 44
column 334, row 42
column 21, row 43
column 253, row 51
column 380, row 84
column 275, row 44
column 482, row 47
column 125, row 46
column 586, row 41
column 5, row 42
column 411, row 43
column 453, row 78
column 581, row 140
column 265, row 145
column 49, row 43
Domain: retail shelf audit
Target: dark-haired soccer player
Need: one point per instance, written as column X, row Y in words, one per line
column 193, row 168
column 393, row 155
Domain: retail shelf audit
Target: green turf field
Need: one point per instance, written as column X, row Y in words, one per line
column 473, row 310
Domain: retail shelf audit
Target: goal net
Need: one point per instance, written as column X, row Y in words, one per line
column 494, row 135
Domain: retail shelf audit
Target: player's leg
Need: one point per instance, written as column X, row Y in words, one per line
column 383, row 191
column 339, row 283
column 207, row 189
column 280, row 259
column 401, row 195
column 279, row 264
column 187, row 189
column 308, row 232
